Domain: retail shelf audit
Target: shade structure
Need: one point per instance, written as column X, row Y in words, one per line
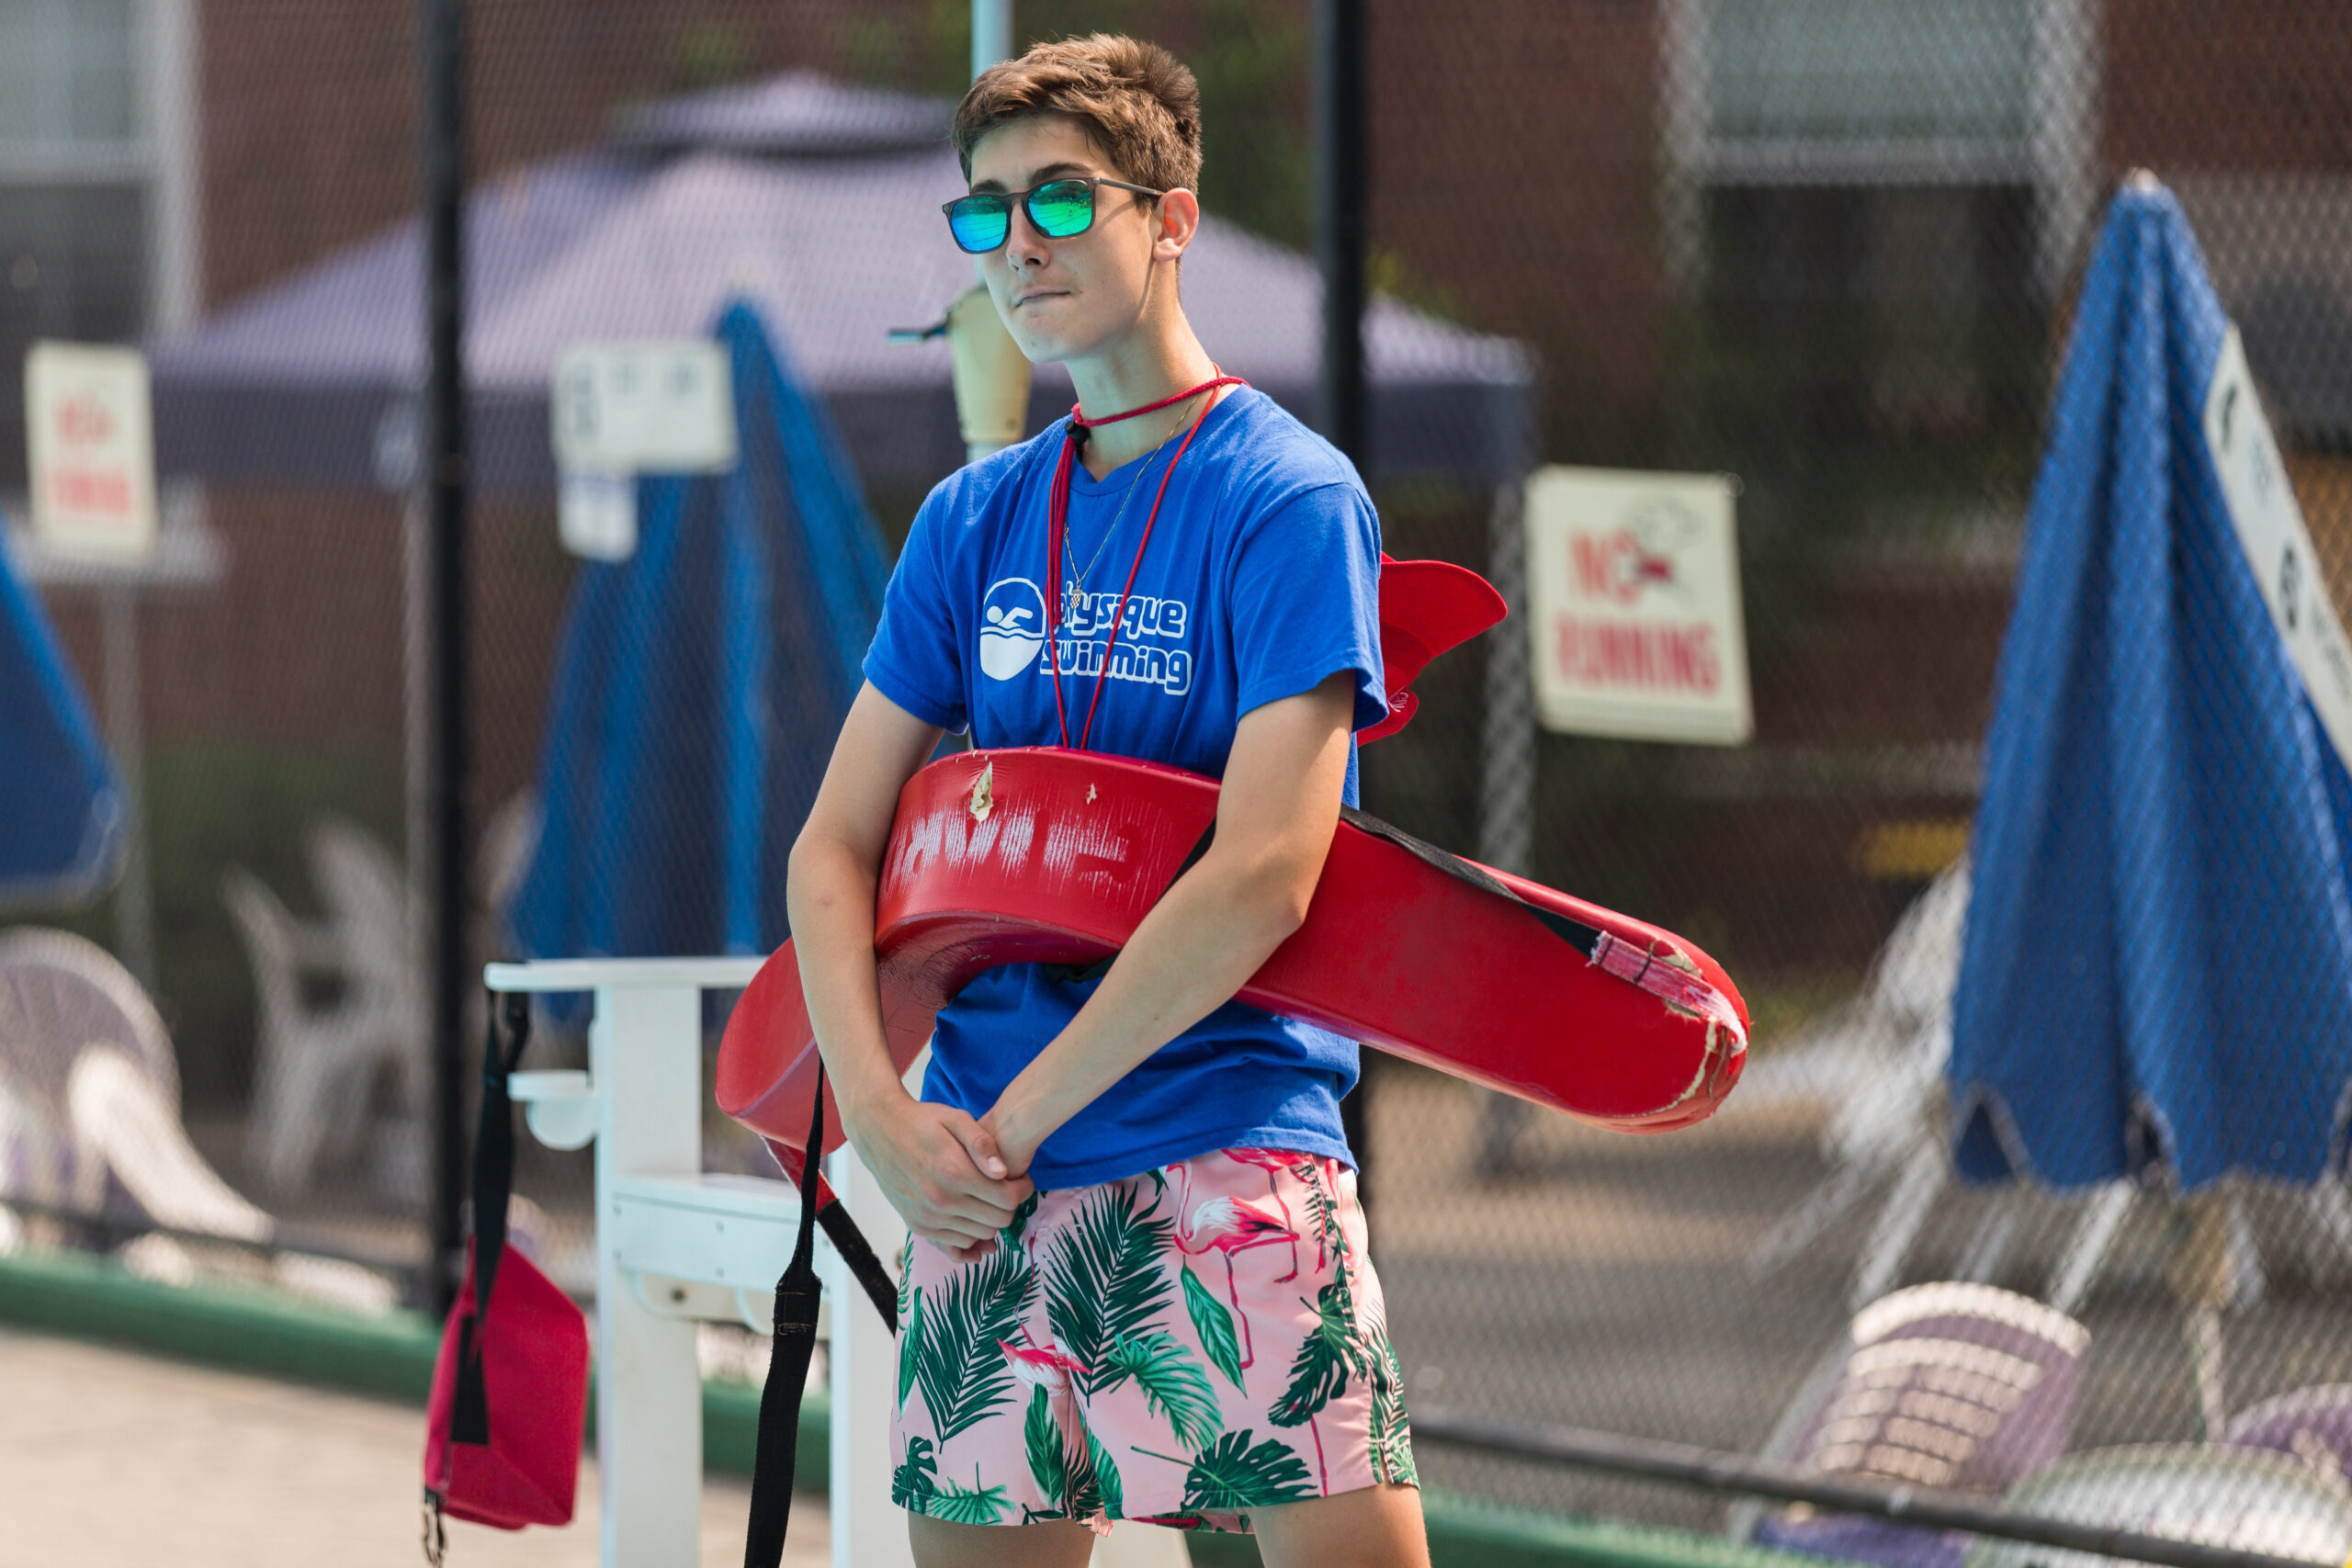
column 819, row 203
column 2158, row 958
column 699, row 685
column 62, row 830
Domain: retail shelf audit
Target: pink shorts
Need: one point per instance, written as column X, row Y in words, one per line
column 1182, row 1347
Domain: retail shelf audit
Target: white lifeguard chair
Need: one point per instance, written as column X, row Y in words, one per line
column 676, row 1247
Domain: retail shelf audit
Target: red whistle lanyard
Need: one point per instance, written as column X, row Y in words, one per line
column 1057, row 529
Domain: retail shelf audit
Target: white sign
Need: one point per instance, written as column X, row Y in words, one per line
column 596, row 514
column 1634, row 607
column 622, row 409
column 2278, row 545
column 92, row 450
column 664, row 407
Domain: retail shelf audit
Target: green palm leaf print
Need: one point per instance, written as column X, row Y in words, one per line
column 1213, row 1323
column 1011, row 1234
column 917, row 1476
column 1108, row 1496
column 1235, row 1474
column 909, row 1341
column 980, row 1506
column 1318, row 1373
column 1322, row 1209
column 1172, row 1383
column 1042, row 1436
column 1391, row 1438
column 1103, row 1280
column 959, row 1363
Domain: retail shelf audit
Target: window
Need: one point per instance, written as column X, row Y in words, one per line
column 96, row 161
column 1880, row 194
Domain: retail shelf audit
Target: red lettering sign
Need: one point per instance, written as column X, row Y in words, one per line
column 91, row 489
column 1638, row 656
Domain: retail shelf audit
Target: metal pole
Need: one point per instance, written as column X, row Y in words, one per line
column 992, row 33
column 1340, row 220
column 1338, row 255
column 1711, row 1470
column 134, row 899
column 445, row 477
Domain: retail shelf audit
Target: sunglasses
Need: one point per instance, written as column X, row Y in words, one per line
column 1059, row 210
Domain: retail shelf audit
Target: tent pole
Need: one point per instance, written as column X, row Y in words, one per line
column 444, row 475
column 992, row 33
column 1339, row 253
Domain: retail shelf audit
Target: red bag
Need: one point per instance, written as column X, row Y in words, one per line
column 534, row 1365
column 510, row 1387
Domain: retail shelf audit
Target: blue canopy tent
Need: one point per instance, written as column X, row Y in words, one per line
column 61, row 834
column 699, row 685
column 2158, row 958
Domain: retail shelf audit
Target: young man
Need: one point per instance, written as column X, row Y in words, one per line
column 1137, row 1285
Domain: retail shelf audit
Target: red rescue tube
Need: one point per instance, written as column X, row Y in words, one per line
column 1044, row 855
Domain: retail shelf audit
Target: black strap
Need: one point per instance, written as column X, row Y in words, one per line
column 1575, row 933
column 840, row 1229
column 493, row 1183
column 797, row 1295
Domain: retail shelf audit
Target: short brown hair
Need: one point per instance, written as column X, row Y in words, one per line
column 1134, row 100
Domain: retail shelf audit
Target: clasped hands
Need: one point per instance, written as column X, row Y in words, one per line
column 955, row 1179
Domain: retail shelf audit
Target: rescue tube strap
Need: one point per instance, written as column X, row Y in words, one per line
column 853, row 1249
column 1661, row 973
column 796, row 1297
column 1664, row 973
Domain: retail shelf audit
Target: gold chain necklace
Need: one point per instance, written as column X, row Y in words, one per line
column 1077, row 577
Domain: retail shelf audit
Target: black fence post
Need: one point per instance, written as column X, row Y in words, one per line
column 445, row 476
column 1339, row 253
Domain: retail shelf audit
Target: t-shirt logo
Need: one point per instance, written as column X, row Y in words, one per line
column 1014, row 611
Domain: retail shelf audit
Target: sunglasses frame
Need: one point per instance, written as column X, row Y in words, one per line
column 1020, row 199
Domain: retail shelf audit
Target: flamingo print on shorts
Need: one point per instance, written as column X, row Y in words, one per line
column 1087, row 1370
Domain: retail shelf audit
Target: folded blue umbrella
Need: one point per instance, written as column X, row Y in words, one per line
column 62, row 830
column 699, row 686
column 2158, row 961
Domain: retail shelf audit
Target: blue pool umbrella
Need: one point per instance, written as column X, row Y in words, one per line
column 699, row 686
column 62, row 830
column 2158, row 961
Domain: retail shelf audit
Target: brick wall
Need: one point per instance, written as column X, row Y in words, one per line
column 2253, row 84
column 1514, row 169
column 309, row 107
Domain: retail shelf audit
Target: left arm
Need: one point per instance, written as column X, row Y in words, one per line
column 1275, row 815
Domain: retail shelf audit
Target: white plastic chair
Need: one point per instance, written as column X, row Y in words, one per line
column 315, row 1066
column 61, row 994
column 366, row 902
column 1878, row 1063
column 312, row 1066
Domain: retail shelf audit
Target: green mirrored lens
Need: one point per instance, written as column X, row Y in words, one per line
column 978, row 223
column 1062, row 207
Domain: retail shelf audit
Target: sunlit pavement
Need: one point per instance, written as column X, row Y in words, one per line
column 113, row 1460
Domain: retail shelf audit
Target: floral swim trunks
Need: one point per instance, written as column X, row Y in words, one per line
column 1180, row 1347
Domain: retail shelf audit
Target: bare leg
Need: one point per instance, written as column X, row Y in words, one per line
column 1379, row 1527
column 1052, row 1543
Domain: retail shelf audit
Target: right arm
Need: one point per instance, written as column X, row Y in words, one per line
column 940, row 1169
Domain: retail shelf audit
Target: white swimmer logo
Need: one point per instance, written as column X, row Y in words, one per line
column 1015, row 613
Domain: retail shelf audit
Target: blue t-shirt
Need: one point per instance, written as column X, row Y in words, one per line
column 1261, row 579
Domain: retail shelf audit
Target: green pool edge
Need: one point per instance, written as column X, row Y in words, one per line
column 390, row 1357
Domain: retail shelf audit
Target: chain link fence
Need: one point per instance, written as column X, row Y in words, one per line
column 1828, row 247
